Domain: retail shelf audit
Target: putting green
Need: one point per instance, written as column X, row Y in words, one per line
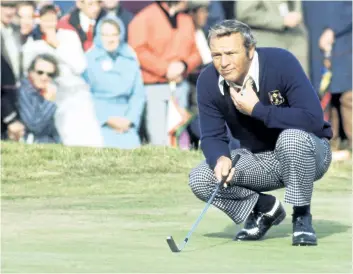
column 76, row 210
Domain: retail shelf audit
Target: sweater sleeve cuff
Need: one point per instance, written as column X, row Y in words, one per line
column 10, row 118
column 260, row 112
column 212, row 162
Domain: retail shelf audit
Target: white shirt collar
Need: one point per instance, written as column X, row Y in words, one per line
column 85, row 21
column 253, row 72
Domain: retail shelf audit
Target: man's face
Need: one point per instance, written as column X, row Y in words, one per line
column 230, row 58
column 26, row 16
column 48, row 22
column 91, row 8
column 8, row 13
column 110, row 4
column 42, row 74
column 110, row 37
column 200, row 17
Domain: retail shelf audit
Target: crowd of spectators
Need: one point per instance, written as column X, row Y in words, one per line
column 123, row 73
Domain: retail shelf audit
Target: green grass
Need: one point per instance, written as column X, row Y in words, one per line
column 79, row 210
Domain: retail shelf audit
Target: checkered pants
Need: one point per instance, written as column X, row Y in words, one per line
column 299, row 159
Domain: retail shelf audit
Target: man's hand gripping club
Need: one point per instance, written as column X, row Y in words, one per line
column 224, row 170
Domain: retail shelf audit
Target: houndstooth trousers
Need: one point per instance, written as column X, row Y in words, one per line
column 299, row 159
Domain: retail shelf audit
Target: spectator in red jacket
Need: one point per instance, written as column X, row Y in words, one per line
column 83, row 21
column 163, row 37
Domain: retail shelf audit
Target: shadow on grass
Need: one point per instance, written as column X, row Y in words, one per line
column 323, row 228
column 208, row 247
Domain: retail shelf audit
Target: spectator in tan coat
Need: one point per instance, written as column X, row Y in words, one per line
column 277, row 24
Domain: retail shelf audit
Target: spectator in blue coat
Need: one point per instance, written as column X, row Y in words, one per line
column 331, row 30
column 115, row 79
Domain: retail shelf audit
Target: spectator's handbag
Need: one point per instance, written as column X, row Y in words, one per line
column 325, row 95
column 178, row 120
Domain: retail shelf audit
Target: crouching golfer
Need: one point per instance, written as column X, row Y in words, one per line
column 263, row 96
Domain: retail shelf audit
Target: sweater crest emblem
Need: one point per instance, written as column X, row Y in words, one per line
column 276, row 97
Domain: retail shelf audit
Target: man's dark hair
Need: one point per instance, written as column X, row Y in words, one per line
column 48, row 8
column 46, row 57
column 10, row 4
column 6, row 3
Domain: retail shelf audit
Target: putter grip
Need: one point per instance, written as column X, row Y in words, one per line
column 234, row 162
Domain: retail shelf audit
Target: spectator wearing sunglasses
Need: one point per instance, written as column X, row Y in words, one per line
column 36, row 100
column 73, row 100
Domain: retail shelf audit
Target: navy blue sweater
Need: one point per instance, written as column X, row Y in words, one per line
column 301, row 109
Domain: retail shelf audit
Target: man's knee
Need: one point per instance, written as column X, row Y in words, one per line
column 294, row 142
column 199, row 181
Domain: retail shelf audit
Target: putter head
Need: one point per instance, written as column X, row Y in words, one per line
column 172, row 245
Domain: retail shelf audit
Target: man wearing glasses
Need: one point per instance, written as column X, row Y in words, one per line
column 36, row 100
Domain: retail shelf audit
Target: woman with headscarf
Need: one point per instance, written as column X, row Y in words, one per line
column 114, row 76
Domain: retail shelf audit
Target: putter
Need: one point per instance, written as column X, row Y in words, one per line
column 172, row 245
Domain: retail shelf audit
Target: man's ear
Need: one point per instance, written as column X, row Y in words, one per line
column 251, row 52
